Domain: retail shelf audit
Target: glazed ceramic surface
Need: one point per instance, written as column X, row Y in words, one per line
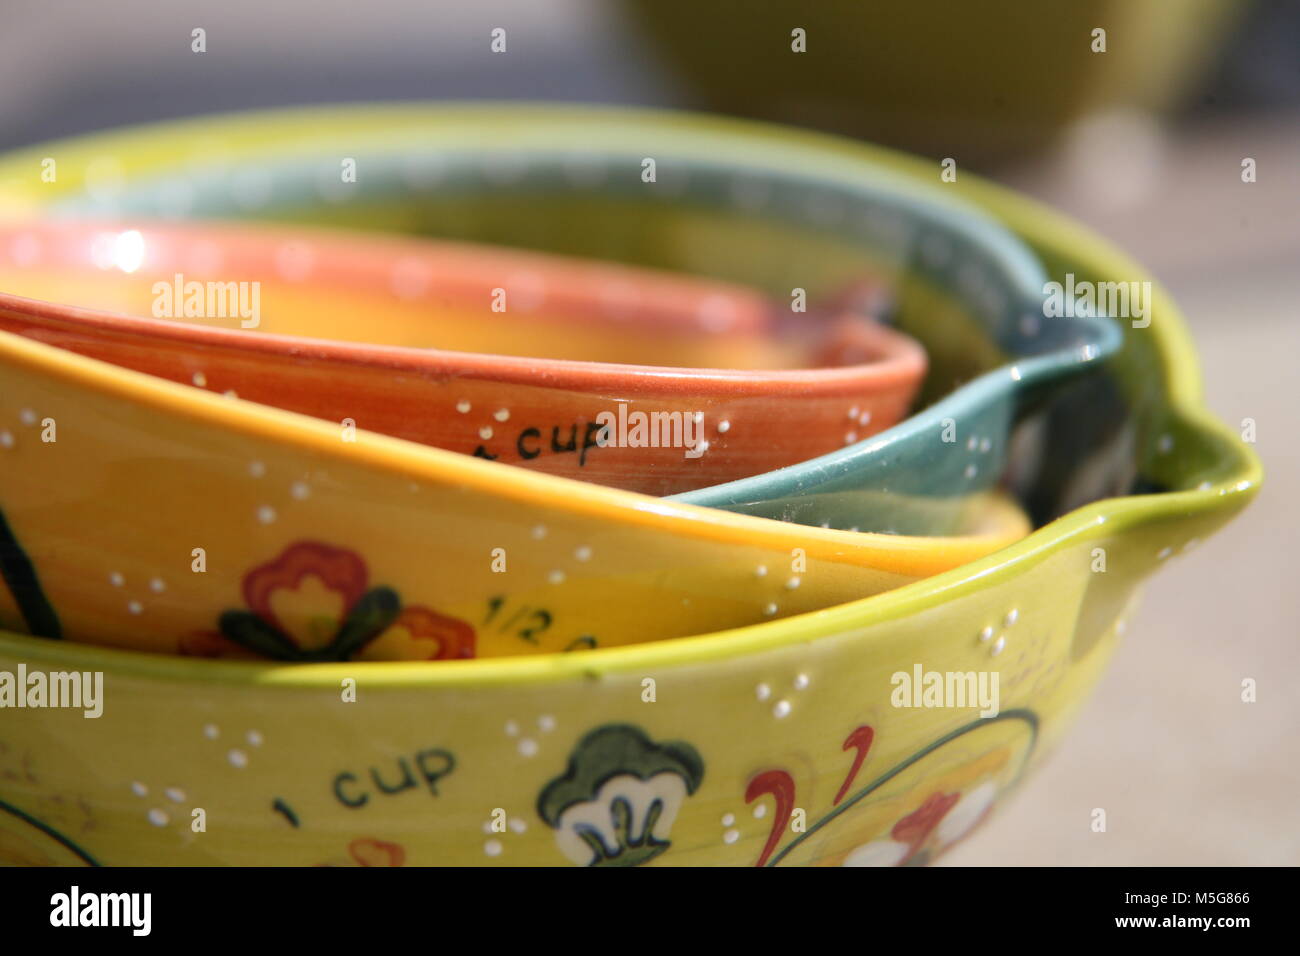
column 147, row 514
column 804, row 218
column 784, row 743
column 608, row 376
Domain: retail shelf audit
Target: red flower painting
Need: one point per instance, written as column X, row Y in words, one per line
column 314, row 602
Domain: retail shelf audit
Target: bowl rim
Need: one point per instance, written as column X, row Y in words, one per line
column 898, row 361
column 1026, row 218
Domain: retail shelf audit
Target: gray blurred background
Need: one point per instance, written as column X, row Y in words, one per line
column 1143, row 142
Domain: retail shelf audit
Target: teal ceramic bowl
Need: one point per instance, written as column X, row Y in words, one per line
column 779, row 211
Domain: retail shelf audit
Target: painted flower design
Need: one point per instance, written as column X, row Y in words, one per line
column 313, row 603
column 421, row 634
column 367, row 851
column 616, row 802
column 941, row 820
column 909, row 812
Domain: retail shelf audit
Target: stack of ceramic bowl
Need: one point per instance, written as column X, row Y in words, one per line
column 428, row 485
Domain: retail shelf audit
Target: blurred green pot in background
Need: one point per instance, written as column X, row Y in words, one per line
column 981, row 82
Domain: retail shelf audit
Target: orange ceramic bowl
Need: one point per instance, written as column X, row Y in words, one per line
column 636, row 379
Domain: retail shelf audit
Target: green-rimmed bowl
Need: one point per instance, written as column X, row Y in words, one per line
column 796, row 741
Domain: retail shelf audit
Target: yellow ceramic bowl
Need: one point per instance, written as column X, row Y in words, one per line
column 147, row 514
column 804, row 740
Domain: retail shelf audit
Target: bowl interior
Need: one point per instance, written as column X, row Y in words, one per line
column 380, row 290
